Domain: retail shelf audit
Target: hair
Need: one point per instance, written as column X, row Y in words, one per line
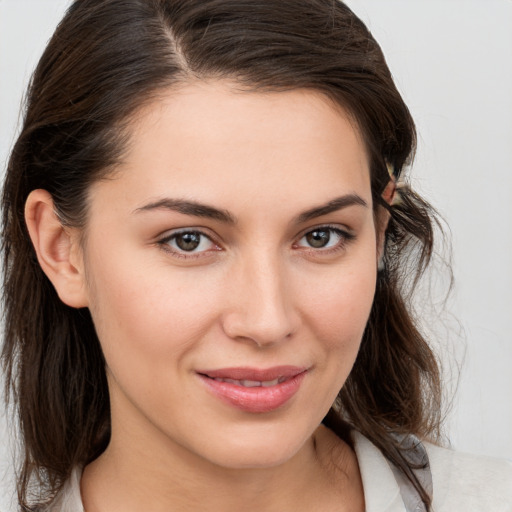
column 106, row 60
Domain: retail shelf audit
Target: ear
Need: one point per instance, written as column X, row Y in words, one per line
column 57, row 248
column 383, row 215
column 389, row 193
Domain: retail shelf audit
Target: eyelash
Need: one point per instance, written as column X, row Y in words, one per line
column 345, row 238
column 164, row 243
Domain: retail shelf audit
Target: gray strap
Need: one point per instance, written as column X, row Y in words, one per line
column 416, row 457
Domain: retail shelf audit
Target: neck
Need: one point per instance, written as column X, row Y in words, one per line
column 140, row 468
column 175, row 481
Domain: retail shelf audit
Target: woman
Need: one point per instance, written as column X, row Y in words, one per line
column 205, row 257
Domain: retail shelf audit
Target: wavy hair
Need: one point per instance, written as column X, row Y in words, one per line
column 106, row 60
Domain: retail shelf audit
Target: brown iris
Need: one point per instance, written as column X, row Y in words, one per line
column 318, row 238
column 188, row 241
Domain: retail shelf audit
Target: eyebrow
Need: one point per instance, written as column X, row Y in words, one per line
column 190, row 208
column 197, row 209
column 332, row 206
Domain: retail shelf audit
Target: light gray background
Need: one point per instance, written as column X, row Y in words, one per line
column 452, row 60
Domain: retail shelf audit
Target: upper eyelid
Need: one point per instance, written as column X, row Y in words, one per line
column 169, row 234
column 344, row 234
column 215, row 238
column 207, row 232
column 333, row 227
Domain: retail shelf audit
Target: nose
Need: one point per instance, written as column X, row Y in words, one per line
column 261, row 306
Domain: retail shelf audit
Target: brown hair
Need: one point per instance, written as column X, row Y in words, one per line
column 106, row 59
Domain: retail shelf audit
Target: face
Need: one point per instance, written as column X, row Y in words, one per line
column 231, row 267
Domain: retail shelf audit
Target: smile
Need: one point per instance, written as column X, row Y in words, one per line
column 253, row 383
column 252, row 390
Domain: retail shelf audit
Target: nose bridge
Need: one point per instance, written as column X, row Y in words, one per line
column 262, row 304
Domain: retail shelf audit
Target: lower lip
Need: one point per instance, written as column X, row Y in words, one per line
column 258, row 399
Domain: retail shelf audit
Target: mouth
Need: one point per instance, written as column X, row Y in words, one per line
column 253, row 383
column 254, row 390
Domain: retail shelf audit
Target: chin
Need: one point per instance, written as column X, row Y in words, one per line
column 262, row 450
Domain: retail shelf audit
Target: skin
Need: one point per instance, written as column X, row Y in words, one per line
column 253, row 293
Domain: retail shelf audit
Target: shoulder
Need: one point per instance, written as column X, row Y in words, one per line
column 461, row 482
column 469, row 483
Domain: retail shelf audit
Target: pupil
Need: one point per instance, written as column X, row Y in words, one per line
column 318, row 238
column 188, row 241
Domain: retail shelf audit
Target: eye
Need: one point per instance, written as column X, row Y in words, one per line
column 191, row 242
column 324, row 237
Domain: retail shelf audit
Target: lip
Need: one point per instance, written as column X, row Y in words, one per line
column 257, row 399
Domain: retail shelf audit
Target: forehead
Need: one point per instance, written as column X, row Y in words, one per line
column 213, row 142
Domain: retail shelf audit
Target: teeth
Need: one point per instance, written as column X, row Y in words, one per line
column 250, row 383
column 253, row 383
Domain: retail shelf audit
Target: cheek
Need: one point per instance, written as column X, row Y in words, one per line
column 147, row 313
column 340, row 301
column 336, row 307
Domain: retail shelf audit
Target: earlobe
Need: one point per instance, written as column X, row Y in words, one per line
column 57, row 249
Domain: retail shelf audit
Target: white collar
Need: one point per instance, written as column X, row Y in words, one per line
column 381, row 490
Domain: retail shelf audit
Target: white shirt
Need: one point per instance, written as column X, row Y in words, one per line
column 461, row 482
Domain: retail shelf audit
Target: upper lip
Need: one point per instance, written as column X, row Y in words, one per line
column 254, row 374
